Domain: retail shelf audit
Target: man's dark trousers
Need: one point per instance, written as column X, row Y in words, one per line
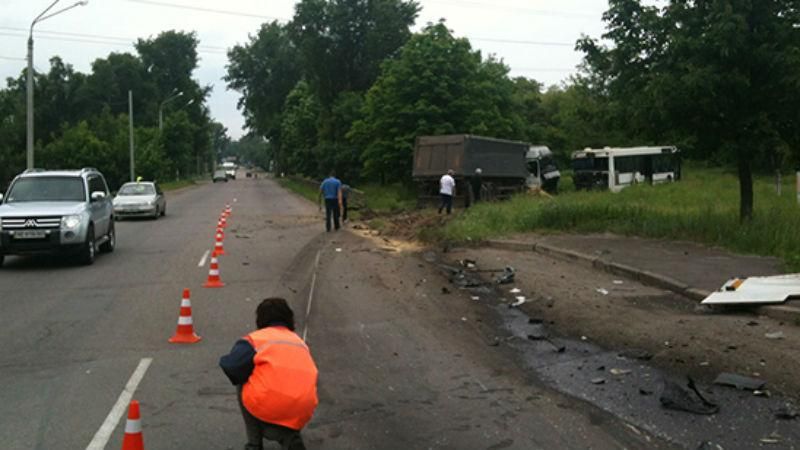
column 447, row 202
column 331, row 209
column 257, row 431
column 344, row 209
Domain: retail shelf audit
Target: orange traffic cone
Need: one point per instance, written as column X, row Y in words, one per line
column 224, row 221
column 133, row 429
column 185, row 332
column 219, row 249
column 213, row 274
column 221, row 232
column 228, row 210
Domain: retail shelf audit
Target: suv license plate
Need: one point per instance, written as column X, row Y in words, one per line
column 30, row 234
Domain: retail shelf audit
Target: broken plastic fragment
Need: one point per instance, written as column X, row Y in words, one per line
column 774, row 335
column 520, row 301
column 615, row 371
column 688, row 399
column 740, row 382
column 515, row 291
column 602, row 291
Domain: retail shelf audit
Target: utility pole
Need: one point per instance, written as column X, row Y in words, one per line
column 29, row 82
column 130, row 133
column 29, row 137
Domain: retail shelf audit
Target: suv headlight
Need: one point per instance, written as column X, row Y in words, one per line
column 70, row 222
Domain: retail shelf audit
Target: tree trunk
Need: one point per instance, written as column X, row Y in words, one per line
column 745, row 189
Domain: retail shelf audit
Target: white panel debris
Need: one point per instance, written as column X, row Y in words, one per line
column 756, row 290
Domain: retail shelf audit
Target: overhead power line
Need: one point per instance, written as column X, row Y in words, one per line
column 523, row 42
column 100, row 40
column 11, row 58
column 208, row 10
column 531, row 11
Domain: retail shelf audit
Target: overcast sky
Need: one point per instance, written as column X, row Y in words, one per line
column 534, row 37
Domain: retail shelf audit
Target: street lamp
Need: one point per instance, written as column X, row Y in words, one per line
column 161, row 109
column 41, row 17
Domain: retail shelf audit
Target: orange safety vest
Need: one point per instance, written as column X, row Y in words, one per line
column 282, row 389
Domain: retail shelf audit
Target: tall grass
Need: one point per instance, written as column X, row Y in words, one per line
column 301, row 188
column 703, row 207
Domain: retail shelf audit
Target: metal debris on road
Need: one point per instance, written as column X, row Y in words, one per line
column 598, row 380
column 507, row 277
column 740, row 382
column 774, row 335
column 636, row 353
column 520, row 301
column 615, row 371
column 788, row 411
column 602, row 291
column 687, row 399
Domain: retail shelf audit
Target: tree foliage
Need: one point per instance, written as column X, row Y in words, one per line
column 436, row 85
column 82, row 119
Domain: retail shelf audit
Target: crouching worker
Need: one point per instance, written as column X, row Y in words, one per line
column 275, row 377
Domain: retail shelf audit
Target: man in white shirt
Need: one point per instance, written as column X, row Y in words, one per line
column 447, row 190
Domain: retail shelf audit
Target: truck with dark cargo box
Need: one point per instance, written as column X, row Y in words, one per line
column 502, row 163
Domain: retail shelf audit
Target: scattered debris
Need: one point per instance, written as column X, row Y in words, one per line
column 515, row 291
column 760, row 393
column 740, row 382
column 617, row 282
column 468, row 263
column 615, row 371
column 476, row 298
column 602, row 291
column 643, row 391
column 788, row 411
column 520, row 300
column 598, row 380
column 338, row 250
column 775, row 335
column 507, row 277
column 773, row 438
column 752, row 323
column 708, row 445
column 636, row 353
column 445, row 291
column 533, row 321
column 679, row 398
column 463, row 319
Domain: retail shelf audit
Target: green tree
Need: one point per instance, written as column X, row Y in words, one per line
column 436, row 85
column 299, row 131
column 723, row 74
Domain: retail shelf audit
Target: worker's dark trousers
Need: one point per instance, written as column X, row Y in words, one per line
column 331, row 210
column 344, row 209
column 447, row 202
column 257, row 431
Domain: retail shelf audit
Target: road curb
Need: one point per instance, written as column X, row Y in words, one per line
column 785, row 312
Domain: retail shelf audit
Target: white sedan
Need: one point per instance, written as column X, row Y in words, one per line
column 140, row 199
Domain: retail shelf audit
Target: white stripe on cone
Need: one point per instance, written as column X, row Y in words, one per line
column 185, row 320
column 186, row 302
column 213, row 272
column 133, row 426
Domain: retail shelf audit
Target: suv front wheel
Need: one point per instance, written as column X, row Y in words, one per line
column 88, row 252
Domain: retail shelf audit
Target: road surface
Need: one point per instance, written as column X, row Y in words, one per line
column 401, row 366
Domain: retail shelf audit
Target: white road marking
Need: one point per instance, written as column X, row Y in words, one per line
column 203, row 259
column 104, row 433
column 311, row 294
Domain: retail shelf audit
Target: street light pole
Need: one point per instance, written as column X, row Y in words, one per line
column 130, row 134
column 29, row 82
column 161, row 109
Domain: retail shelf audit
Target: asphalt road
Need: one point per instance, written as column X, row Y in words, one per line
column 400, row 366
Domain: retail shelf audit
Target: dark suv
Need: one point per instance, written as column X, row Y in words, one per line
column 57, row 212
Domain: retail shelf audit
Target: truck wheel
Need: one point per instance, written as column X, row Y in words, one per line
column 108, row 246
column 88, row 252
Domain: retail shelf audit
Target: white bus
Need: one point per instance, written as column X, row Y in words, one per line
column 616, row 168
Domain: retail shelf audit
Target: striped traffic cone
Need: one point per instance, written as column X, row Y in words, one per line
column 224, row 221
column 133, row 429
column 213, row 274
column 219, row 249
column 228, row 210
column 185, row 332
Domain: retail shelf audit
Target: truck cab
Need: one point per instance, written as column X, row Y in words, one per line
column 542, row 169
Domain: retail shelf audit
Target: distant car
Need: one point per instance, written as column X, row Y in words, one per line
column 57, row 212
column 140, row 199
column 220, row 175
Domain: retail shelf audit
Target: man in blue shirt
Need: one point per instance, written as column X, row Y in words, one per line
column 331, row 190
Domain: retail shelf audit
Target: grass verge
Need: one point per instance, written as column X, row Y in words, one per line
column 298, row 187
column 703, row 207
column 173, row 185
